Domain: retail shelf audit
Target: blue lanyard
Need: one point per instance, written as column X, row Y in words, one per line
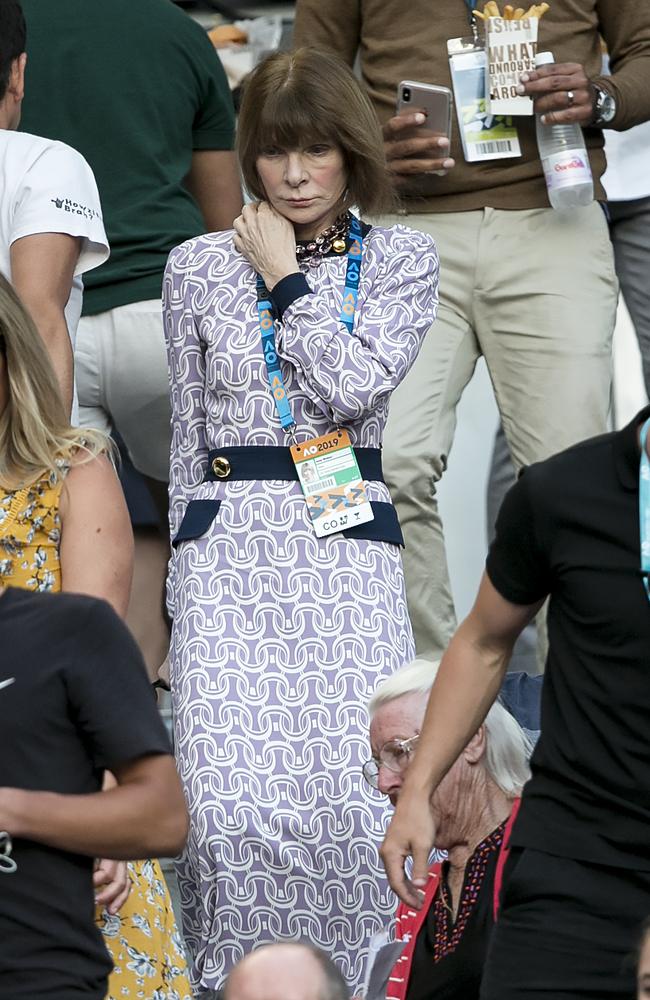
column 644, row 508
column 471, row 6
column 352, row 273
column 266, row 314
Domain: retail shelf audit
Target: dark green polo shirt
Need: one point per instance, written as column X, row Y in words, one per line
column 136, row 86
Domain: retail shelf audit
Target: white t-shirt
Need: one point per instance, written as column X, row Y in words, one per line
column 47, row 187
column 627, row 177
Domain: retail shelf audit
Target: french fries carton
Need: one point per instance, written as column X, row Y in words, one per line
column 511, row 45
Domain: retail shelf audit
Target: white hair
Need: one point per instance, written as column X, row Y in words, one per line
column 507, row 747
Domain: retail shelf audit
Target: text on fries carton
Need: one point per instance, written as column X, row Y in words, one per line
column 511, row 47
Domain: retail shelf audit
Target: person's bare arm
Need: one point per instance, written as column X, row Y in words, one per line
column 467, row 683
column 42, row 270
column 145, row 816
column 96, row 537
column 111, row 878
column 214, row 182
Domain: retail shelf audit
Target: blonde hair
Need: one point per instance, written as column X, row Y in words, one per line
column 35, row 434
column 292, row 99
column 507, row 747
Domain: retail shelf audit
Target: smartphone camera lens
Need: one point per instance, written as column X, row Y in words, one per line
column 406, row 93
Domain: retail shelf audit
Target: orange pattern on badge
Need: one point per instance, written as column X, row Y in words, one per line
column 337, row 499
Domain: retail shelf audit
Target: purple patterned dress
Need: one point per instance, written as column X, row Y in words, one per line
column 279, row 638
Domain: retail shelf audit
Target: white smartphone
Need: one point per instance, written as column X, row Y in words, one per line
column 433, row 101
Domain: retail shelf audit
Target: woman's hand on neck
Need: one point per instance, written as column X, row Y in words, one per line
column 267, row 240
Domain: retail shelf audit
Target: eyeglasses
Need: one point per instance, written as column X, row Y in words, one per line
column 394, row 755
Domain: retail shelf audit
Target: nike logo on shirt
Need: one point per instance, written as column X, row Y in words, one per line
column 9, row 680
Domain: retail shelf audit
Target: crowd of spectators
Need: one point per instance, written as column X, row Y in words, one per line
column 257, row 311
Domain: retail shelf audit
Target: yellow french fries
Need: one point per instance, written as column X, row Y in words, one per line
column 491, row 9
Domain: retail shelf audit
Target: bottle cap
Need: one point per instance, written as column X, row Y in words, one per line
column 544, row 58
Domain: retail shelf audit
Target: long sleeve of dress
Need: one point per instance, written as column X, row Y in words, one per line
column 350, row 374
column 186, row 359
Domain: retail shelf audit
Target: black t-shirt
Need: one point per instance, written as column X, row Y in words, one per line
column 570, row 528
column 74, row 700
column 450, row 953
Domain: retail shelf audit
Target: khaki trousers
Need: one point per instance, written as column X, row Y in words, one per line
column 121, row 372
column 535, row 293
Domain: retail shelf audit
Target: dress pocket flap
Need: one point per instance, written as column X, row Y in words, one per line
column 198, row 517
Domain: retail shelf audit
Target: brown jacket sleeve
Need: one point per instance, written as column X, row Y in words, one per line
column 329, row 24
column 625, row 27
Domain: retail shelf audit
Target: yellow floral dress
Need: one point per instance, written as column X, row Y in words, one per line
column 142, row 939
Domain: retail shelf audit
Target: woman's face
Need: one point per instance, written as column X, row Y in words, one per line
column 305, row 185
column 643, row 980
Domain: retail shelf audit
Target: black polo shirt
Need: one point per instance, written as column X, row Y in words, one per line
column 74, row 700
column 570, row 529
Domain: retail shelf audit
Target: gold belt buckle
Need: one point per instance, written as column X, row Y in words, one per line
column 221, row 467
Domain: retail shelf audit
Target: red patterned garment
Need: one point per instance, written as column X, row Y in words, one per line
column 431, row 936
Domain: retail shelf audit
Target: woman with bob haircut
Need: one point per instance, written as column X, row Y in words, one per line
column 64, row 526
column 440, row 950
column 297, row 326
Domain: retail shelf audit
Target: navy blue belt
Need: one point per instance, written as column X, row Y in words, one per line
column 270, row 462
column 273, row 462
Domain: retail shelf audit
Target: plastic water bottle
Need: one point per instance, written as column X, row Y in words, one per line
column 564, row 158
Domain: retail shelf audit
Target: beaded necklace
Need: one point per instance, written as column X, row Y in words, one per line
column 310, row 252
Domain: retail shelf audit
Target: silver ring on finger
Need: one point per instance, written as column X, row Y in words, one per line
column 570, row 96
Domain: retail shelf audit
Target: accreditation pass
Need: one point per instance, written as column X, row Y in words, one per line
column 330, row 479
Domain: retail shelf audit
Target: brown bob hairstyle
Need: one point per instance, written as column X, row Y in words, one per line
column 296, row 99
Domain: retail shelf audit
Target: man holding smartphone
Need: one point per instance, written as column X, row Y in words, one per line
column 530, row 288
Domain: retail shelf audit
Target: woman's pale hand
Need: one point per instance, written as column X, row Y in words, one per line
column 112, row 884
column 411, row 833
column 267, row 240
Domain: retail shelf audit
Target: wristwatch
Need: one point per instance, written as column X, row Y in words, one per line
column 604, row 107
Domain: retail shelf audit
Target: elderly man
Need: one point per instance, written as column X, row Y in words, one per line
column 440, row 951
column 531, row 289
column 575, row 528
column 286, row 971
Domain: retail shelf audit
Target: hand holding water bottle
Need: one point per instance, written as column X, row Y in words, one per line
column 561, row 143
column 562, row 92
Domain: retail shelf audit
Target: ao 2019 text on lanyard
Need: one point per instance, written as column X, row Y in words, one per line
column 267, row 322
column 326, row 467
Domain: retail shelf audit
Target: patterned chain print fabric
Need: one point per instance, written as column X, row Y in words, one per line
column 142, row 940
column 448, row 934
column 279, row 638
